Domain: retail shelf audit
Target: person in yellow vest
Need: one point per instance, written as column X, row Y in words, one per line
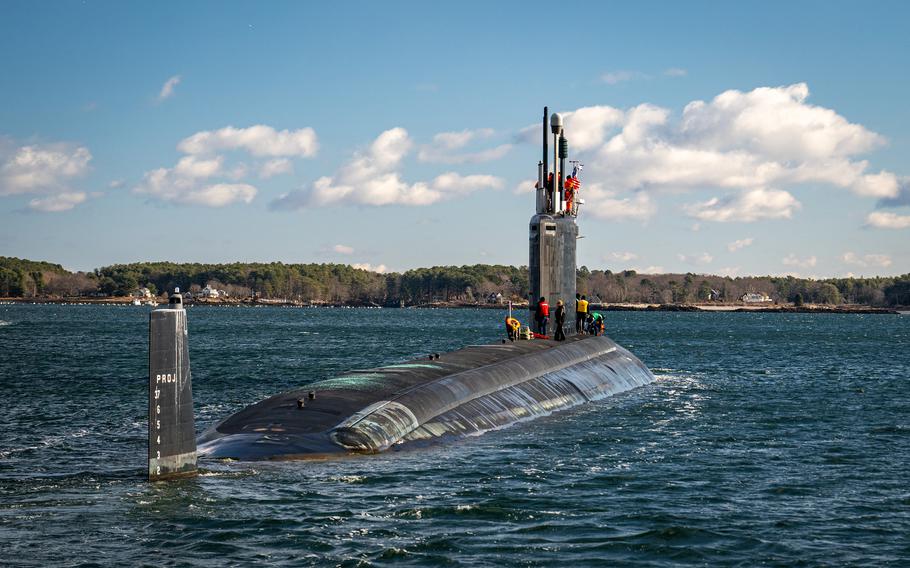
column 581, row 312
column 512, row 326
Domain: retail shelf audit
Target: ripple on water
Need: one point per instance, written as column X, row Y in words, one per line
column 767, row 439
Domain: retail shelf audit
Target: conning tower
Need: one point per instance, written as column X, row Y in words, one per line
column 552, row 232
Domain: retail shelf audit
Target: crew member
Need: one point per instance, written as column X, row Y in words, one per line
column 581, row 312
column 512, row 327
column 543, row 315
column 597, row 324
column 560, row 334
column 571, row 185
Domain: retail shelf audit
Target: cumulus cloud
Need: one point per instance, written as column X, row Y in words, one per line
column 183, row 185
column 901, row 198
column 372, row 178
column 696, row 259
column 880, row 260
column 743, row 143
column 259, row 140
column 57, row 203
column 621, row 256
column 447, row 148
column 740, row 244
column 887, row 220
column 186, row 183
column 44, row 169
column 746, row 207
column 379, row 268
column 728, row 271
column 201, row 176
column 792, row 260
column 167, row 90
column 609, row 205
column 343, row 249
column 653, row 269
column 275, row 167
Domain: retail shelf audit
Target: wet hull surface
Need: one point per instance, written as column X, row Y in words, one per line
column 462, row 393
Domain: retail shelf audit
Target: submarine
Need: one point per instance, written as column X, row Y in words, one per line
column 435, row 398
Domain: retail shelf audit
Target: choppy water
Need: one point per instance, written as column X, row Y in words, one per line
column 770, row 439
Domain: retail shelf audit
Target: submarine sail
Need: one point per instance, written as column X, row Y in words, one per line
column 461, row 393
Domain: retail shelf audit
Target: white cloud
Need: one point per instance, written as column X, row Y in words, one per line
column 57, row 203
column 696, row 259
column 371, row 178
column 42, row 168
column 588, row 126
column 740, row 244
column 446, row 148
column 616, row 77
column 728, row 271
column 650, row 270
column 901, row 198
column 605, row 204
column 167, row 90
column 675, row 72
column 880, row 260
column 526, row 186
column 380, row 268
column 184, row 184
column 343, row 249
column 193, row 180
column 886, row 220
column 621, row 256
column 746, row 207
column 743, row 142
column 259, row 140
column 275, row 167
column 192, row 167
column 219, row 195
column 792, row 260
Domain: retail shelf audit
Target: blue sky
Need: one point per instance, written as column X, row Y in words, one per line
column 394, row 134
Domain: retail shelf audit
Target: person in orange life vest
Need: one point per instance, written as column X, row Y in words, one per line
column 543, row 315
column 571, row 185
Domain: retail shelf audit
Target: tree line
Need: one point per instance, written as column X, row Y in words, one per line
column 340, row 283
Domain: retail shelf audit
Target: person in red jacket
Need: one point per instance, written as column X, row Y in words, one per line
column 543, row 315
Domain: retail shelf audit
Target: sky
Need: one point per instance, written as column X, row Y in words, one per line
column 742, row 138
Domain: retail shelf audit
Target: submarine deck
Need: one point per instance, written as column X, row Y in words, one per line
column 501, row 381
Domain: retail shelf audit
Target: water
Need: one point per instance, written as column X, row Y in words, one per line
column 774, row 439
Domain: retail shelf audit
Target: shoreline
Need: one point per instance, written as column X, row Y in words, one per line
column 612, row 307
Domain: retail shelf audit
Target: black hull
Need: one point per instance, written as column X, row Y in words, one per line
column 462, row 393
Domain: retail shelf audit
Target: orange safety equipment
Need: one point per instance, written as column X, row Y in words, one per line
column 513, row 323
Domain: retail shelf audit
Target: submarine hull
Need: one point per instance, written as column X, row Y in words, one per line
column 462, row 393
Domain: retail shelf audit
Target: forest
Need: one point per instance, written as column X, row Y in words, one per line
column 343, row 284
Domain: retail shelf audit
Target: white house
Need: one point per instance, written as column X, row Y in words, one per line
column 755, row 298
column 209, row 292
